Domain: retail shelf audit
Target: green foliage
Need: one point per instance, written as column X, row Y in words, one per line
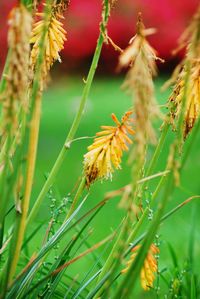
column 76, row 242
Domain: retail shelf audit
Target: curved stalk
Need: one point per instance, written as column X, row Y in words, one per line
column 51, row 178
column 158, row 149
column 76, row 198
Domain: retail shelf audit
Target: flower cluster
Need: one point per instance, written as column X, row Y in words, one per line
column 150, row 266
column 55, row 37
column 107, row 149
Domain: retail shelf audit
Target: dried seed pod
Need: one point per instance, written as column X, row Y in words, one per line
column 17, row 77
column 141, row 57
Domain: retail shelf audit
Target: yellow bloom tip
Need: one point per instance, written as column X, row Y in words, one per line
column 106, row 151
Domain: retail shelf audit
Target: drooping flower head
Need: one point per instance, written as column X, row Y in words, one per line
column 55, row 37
column 141, row 57
column 191, row 38
column 150, row 266
column 106, row 151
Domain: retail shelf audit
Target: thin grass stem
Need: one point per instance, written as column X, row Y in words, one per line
column 76, row 198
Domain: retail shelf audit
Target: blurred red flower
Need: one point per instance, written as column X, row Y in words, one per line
column 170, row 17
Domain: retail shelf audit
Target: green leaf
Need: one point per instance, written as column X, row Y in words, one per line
column 173, row 255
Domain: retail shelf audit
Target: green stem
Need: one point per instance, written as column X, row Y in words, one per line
column 76, row 198
column 35, row 107
column 4, row 179
column 137, row 227
column 4, row 155
column 158, row 149
column 148, row 173
column 52, row 176
column 21, row 223
column 128, row 283
column 112, row 256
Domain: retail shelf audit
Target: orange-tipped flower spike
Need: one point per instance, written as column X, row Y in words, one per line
column 150, row 266
column 54, row 41
column 106, row 151
column 191, row 38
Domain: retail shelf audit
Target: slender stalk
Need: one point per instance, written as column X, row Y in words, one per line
column 112, row 256
column 148, row 173
column 4, row 177
column 32, row 152
column 158, row 149
column 64, row 266
column 52, row 176
column 133, row 272
column 146, row 210
column 35, row 108
column 7, row 152
column 76, row 198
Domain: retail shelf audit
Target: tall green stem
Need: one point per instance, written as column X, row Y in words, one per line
column 32, row 152
column 4, row 179
column 35, row 108
column 149, row 171
column 158, row 149
column 133, row 272
column 51, row 178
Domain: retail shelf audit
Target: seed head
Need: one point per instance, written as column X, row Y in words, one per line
column 17, row 77
column 141, row 57
column 150, row 266
column 106, row 151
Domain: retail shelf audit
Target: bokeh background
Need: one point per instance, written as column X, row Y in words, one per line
column 170, row 18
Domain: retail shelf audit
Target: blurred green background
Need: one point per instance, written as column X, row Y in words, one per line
column 60, row 104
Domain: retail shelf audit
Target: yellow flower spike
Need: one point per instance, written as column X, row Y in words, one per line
column 107, row 149
column 191, row 38
column 54, row 41
column 150, row 267
column 192, row 110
